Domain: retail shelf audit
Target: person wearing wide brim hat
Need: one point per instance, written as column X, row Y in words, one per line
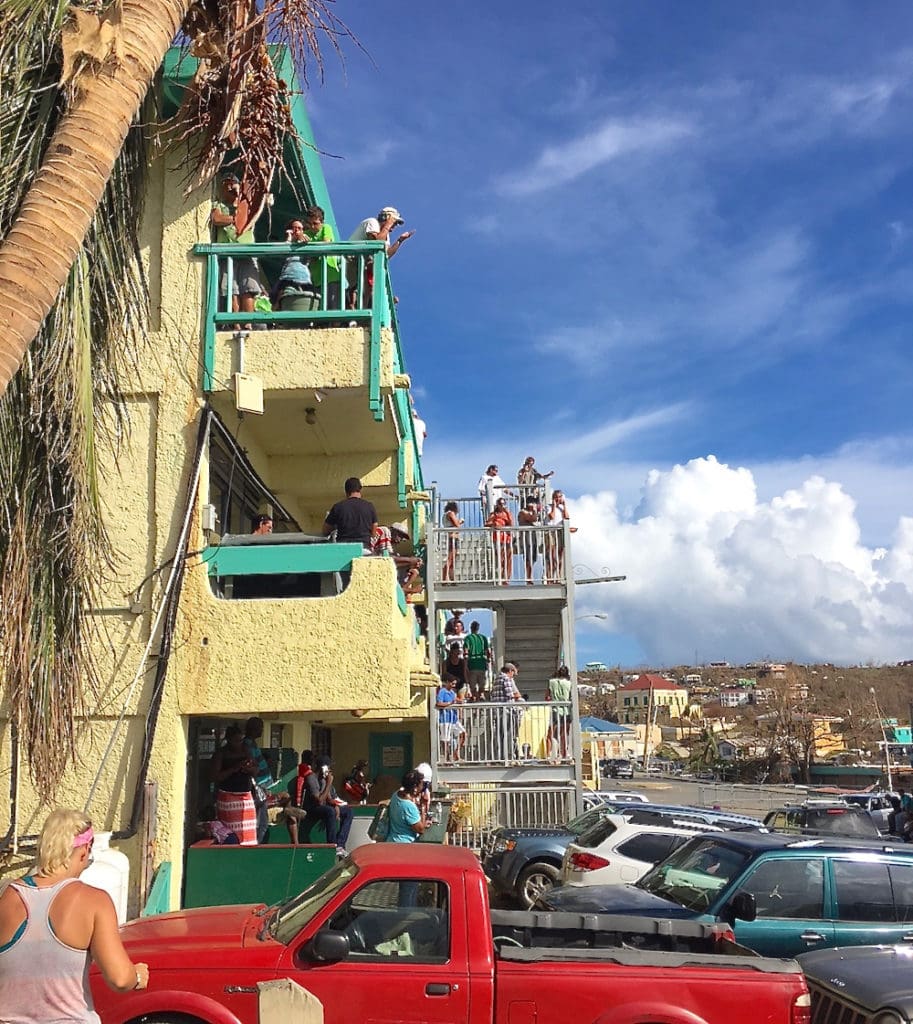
column 373, row 229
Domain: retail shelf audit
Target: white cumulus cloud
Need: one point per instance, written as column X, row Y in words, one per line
column 712, row 568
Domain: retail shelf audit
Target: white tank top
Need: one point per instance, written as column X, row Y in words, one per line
column 43, row 980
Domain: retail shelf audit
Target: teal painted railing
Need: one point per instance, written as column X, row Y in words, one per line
column 272, row 559
column 276, row 559
column 220, row 259
column 402, row 405
column 159, row 900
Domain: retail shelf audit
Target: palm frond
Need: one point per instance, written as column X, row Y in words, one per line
column 236, row 112
column 56, row 415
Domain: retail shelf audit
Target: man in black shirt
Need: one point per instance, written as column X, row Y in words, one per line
column 353, row 518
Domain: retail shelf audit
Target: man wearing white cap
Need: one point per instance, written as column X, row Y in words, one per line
column 373, row 229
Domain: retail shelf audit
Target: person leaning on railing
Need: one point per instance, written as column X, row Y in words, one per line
column 373, row 229
column 294, row 289
column 327, row 268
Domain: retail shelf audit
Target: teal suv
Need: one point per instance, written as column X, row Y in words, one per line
column 784, row 895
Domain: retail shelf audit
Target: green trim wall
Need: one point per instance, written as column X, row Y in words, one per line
column 272, row 559
column 218, row 876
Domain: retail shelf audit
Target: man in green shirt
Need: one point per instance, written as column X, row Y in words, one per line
column 246, row 271
column 478, row 658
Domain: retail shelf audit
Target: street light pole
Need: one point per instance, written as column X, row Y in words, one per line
column 884, row 736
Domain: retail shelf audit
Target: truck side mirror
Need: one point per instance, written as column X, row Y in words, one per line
column 327, row 947
column 743, row 906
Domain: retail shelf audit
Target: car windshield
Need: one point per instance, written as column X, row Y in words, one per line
column 577, row 826
column 291, row 917
column 842, row 821
column 695, row 873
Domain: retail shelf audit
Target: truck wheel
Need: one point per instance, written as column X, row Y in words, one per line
column 534, row 881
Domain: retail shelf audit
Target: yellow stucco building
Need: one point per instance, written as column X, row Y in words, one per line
column 200, row 627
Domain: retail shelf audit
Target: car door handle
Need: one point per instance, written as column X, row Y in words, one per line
column 811, row 937
column 434, row 988
column 907, row 938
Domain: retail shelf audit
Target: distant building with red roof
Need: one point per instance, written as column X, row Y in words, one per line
column 635, row 698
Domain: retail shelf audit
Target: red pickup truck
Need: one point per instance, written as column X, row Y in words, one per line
column 404, row 934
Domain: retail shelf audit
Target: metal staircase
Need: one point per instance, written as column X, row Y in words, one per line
column 531, row 636
column 508, row 769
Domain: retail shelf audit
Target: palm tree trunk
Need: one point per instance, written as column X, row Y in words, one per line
column 38, row 251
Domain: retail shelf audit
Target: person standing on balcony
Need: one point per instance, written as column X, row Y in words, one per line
column 489, row 481
column 556, row 516
column 529, row 515
column 450, row 729
column 353, row 519
column 373, row 229
column 452, row 523
column 455, row 667
column 226, row 217
column 294, row 289
column 498, row 521
column 558, row 691
column 505, row 691
column 323, row 268
column 478, row 658
column 528, row 478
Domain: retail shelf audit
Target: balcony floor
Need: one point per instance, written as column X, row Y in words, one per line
column 486, row 595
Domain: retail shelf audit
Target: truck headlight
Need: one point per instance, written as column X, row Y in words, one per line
column 503, row 845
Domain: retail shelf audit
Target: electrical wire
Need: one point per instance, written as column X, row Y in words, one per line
column 177, row 564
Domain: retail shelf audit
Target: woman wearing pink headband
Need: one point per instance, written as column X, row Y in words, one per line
column 52, row 926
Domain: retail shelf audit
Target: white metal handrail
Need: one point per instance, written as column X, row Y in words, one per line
column 479, row 808
column 503, row 734
column 499, row 555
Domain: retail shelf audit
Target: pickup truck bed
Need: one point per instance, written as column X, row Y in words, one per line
column 545, row 929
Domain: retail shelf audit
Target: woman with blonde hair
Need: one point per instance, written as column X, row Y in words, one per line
column 52, row 926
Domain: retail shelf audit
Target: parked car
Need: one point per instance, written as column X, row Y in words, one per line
column 860, row 984
column 523, row 863
column 621, row 848
column 820, row 818
column 784, row 895
column 387, row 937
column 617, row 768
column 877, row 805
column 608, row 796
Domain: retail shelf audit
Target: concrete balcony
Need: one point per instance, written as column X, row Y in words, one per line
column 335, row 396
column 353, row 650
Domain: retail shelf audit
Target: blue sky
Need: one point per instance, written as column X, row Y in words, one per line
column 667, row 249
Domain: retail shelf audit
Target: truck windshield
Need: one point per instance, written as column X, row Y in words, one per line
column 695, row 873
column 294, row 915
